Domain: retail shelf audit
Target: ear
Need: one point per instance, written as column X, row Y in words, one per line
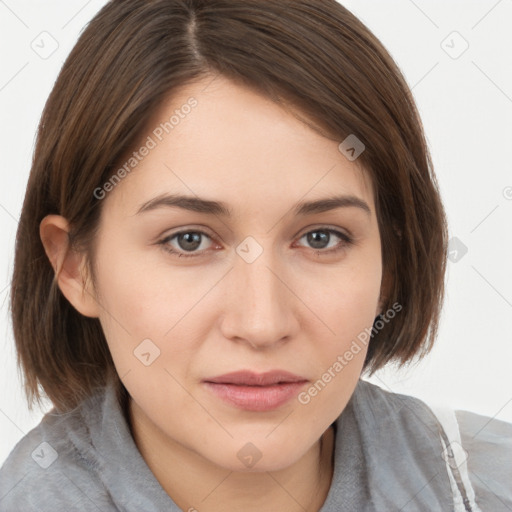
column 69, row 265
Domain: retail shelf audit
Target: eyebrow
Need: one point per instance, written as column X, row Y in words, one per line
column 217, row 208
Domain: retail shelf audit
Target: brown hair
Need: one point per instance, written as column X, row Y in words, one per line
column 312, row 54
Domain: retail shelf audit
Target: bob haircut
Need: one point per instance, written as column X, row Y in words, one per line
column 313, row 55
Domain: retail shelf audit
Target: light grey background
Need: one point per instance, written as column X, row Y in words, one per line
column 466, row 104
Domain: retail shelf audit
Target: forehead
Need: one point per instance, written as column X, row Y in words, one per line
column 214, row 138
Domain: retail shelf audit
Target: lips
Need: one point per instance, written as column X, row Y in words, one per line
column 248, row 378
column 256, row 392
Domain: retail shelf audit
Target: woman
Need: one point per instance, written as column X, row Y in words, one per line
column 231, row 216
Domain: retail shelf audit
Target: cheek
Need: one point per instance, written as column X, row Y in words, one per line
column 143, row 299
column 349, row 300
column 348, row 310
column 139, row 290
column 347, row 306
column 131, row 299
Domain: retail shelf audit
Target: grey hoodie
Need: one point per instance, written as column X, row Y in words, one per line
column 391, row 454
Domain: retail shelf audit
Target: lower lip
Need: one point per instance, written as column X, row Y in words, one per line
column 256, row 398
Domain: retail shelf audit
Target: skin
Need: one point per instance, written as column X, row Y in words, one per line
column 295, row 307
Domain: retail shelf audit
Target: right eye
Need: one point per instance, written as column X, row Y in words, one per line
column 186, row 243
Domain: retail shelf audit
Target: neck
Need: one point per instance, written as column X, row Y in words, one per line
column 195, row 483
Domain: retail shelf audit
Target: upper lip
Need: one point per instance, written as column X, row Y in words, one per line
column 249, row 378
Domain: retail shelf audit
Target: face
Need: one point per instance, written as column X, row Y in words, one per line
column 252, row 281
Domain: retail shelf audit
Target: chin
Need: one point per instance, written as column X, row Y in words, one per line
column 257, row 457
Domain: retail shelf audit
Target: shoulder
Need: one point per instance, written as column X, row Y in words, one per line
column 476, row 449
column 402, row 427
column 395, row 440
column 487, row 449
column 49, row 467
column 396, row 407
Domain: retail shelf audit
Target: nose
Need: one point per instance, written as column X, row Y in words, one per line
column 260, row 306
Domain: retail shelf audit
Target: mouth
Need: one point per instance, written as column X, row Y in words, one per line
column 256, row 392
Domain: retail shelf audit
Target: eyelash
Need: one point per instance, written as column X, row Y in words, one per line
column 346, row 242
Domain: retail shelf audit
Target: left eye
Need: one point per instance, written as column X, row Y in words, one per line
column 319, row 239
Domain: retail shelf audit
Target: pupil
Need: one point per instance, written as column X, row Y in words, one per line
column 189, row 241
column 318, row 237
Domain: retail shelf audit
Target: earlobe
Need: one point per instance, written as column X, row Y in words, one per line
column 69, row 265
